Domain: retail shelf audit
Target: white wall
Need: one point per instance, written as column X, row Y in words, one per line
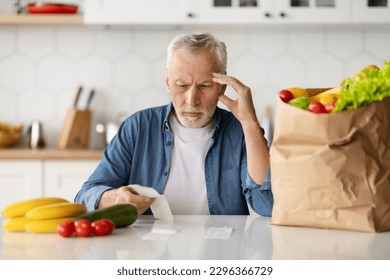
column 41, row 67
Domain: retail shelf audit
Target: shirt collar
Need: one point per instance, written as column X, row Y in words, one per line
column 169, row 108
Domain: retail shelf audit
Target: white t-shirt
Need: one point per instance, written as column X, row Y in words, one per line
column 186, row 185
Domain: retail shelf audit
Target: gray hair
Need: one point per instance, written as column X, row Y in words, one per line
column 195, row 42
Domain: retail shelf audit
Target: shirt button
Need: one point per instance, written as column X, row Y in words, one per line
column 165, row 173
column 169, row 143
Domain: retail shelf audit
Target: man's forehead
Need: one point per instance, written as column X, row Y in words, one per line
column 181, row 77
column 190, row 74
column 201, row 59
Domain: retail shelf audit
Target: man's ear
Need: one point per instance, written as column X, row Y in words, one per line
column 166, row 80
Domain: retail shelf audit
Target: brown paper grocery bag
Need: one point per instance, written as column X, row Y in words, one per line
column 332, row 170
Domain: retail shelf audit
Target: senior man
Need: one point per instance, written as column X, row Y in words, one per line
column 204, row 159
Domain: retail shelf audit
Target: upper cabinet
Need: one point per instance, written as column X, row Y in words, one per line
column 136, row 11
column 370, row 11
column 271, row 11
column 312, row 11
column 235, row 11
column 193, row 12
column 230, row 11
column 215, row 11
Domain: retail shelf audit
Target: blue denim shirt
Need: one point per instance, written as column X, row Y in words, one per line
column 140, row 154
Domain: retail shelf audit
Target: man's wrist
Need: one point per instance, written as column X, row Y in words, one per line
column 251, row 125
column 106, row 198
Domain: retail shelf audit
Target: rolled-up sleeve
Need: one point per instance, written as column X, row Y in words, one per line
column 90, row 197
column 259, row 197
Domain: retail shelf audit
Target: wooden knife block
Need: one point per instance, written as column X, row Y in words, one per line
column 75, row 132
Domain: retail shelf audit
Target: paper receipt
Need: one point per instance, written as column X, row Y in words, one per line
column 160, row 207
column 218, row 233
column 157, row 234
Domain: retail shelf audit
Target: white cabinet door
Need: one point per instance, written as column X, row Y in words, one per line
column 313, row 11
column 271, row 11
column 19, row 180
column 64, row 178
column 135, row 11
column 233, row 11
column 371, row 11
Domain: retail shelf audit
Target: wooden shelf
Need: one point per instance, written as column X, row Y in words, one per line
column 41, row 19
column 23, row 154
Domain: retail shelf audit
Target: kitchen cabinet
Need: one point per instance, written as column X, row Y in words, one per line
column 371, row 11
column 26, row 179
column 216, row 11
column 198, row 12
column 64, row 178
column 21, row 179
column 311, row 11
column 272, row 12
column 231, row 11
column 136, row 11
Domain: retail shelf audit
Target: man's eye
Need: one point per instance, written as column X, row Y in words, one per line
column 205, row 86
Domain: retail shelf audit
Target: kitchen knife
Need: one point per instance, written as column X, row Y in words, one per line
column 90, row 97
column 78, row 93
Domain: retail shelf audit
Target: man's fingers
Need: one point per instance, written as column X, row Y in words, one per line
column 132, row 191
column 226, row 100
column 135, row 197
column 142, row 206
column 227, row 80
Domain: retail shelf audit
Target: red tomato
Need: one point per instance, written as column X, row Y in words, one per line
column 110, row 224
column 317, row 107
column 99, row 228
column 285, row 95
column 83, row 228
column 66, row 229
column 330, row 106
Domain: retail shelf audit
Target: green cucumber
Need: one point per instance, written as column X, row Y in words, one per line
column 122, row 215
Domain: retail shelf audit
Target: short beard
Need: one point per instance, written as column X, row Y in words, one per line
column 194, row 122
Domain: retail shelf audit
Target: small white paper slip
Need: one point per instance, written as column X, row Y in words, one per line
column 159, row 234
column 218, row 233
column 160, row 207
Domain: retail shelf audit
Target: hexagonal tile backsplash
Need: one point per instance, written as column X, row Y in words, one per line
column 41, row 67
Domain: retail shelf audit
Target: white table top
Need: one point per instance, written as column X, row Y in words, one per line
column 252, row 238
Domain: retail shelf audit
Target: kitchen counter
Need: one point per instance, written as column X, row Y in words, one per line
column 252, row 238
column 43, row 154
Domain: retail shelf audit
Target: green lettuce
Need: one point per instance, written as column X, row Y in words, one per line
column 368, row 86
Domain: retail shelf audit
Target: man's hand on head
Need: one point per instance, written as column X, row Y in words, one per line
column 242, row 107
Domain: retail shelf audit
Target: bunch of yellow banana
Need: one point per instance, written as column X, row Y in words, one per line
column 9, row 128
column 40, row 215
column 327, row 96
column 9, row 135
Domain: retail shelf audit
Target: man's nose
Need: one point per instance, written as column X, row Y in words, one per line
column 193, row 96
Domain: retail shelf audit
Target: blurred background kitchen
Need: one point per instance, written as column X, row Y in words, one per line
column 43, row 63
column 116, row 49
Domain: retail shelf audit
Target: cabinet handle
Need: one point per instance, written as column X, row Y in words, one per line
column 190, row 15
column 267, row 15
column 282, row 14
